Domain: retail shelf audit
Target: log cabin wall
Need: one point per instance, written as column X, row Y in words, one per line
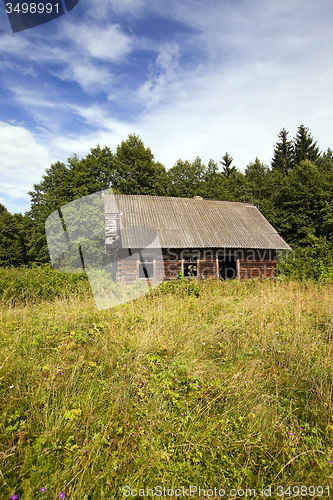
column 250, row 263
column 257, row 264
column 127, row 267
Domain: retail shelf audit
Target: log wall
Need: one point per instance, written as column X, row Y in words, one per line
column 250, row 264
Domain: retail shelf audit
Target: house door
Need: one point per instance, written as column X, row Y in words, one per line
column 227, row 268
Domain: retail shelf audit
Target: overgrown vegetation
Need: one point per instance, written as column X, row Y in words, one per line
column 227, row 387
column 294, row 193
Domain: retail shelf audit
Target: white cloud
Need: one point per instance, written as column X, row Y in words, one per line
column 108, row 44
column 22, row 161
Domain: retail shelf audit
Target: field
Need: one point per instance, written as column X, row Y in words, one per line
column 216, row 384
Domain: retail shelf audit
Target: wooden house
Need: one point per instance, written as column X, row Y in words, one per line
column 198, row 237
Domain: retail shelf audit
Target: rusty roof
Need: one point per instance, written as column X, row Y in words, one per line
column 194, row 223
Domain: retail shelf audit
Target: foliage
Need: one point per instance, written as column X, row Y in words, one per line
column 314, row 261
column 283, row 157
column 12, row 247
column 295, row 193
column 24, row 285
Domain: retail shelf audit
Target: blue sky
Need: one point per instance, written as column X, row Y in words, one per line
column 192, row 78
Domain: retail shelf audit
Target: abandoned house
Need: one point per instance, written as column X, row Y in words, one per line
column 157, row 237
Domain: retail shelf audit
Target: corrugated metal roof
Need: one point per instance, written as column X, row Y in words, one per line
column 193, row 223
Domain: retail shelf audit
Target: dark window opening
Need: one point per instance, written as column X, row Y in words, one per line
column 227, row 268
column 190, row 267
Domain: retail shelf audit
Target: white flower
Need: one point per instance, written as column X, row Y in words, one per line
column 204, row 343
column 11, row 387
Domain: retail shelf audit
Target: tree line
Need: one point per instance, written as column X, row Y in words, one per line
column 294, row 192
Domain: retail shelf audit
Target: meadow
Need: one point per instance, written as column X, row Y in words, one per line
column 212, row 384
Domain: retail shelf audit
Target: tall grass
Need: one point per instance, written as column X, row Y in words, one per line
column 224, row 384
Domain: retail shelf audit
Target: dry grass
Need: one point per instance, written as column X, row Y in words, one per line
column 230, row 389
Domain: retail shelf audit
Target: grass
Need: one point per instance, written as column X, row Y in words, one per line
column 225, row 385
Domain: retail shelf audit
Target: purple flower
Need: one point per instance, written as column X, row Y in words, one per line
column 125, row 365
column 62, row 495
column 182, row 414
column 291, row 433
column 197, row 386
column 43, row 489
column 300, row 428
column 246, row 381
column 143, row 381
column 331, row 462
column 83, row 451
column 13, row 497
column 176, row 379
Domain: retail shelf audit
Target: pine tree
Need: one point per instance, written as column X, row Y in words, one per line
column 305, row 148
column 282, row 160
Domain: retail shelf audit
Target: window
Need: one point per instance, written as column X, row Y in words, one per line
column 146, row 267
column 190, row 266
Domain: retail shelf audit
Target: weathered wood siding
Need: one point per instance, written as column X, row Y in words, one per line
column 250, row 264
column 257, row 269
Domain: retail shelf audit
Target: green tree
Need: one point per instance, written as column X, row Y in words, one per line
column 304, row 202
column 211, row 186
column 283, row 157
column 136, row 171
column 226, row 163
column 132, row 170
column 304, row 147
column 256, row 174
column 12, row 249
column 186, row 179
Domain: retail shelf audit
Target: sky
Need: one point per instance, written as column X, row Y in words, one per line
column 191, row 78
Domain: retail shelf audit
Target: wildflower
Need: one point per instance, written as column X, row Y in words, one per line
column 300, row 428
column 13, row 497
column 150, row 375
column 83, row 451
column 246, row 381
column 287, row 370
column 163, row 385
column 331, row 462
column 277, row 333
column 43, row 489
column 62, row 495
column 182, row 414
column 125, row 365
column 291, row 433
column 197, row 386
column 107, row 482
column 176, row 379
column 11, row 387
column 143, row 381
column 204, row 343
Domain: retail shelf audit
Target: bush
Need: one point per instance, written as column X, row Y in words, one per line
column 315, row 261
column 22, row 285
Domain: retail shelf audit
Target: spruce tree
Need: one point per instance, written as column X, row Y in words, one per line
column 305, row 148
column 282, row 160
column 226, row 162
